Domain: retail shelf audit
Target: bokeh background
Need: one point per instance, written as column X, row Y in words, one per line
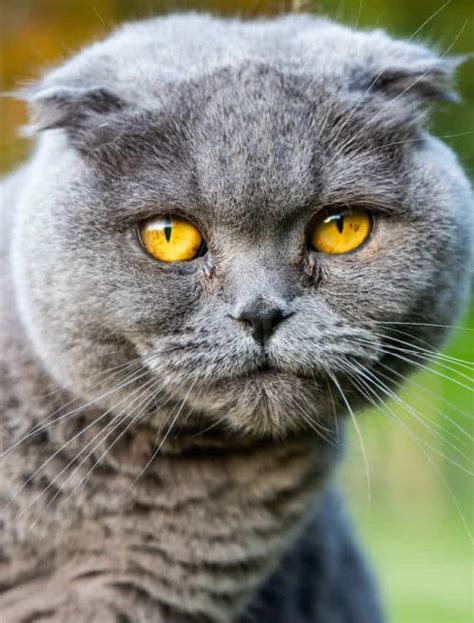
column 416, row 517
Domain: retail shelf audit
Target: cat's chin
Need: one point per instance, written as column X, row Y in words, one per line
column 266, row 402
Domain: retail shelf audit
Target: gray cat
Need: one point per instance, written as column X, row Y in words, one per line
column 231, row 236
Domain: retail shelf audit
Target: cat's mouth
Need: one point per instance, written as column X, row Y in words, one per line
column 265, row 371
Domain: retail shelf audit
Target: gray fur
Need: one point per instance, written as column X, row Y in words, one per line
column 249, row 129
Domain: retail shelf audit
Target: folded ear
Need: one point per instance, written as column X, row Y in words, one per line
column 85, row 114
column 421, row 80
column 399, row 81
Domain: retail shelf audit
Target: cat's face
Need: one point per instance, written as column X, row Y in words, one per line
column 260, row 330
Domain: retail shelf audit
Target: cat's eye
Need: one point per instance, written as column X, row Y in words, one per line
column 171, row 239
column 341, row 231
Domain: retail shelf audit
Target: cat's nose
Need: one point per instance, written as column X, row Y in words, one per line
column 262, row 320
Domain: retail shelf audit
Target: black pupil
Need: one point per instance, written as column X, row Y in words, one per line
column 339, row 220
column 167, row 229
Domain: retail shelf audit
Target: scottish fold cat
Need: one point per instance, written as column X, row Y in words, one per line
column 229, row 239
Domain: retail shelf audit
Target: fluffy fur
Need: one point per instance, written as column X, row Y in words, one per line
column 187, row 474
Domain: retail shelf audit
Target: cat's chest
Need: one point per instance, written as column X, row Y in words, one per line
column 192, row 533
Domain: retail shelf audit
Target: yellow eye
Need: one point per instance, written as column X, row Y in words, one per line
column 342, row 231
column 171, row 239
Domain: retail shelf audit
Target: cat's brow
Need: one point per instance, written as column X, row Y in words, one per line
column 383, row 199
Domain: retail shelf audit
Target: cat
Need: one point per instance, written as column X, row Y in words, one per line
column 211, row 258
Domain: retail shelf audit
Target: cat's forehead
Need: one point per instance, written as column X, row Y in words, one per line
column 245, row 117
column 250, row 140
column 253, row 138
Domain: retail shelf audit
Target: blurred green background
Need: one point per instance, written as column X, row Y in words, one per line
column 417, row 518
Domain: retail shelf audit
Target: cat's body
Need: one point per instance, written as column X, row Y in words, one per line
column 196, row 535
column 248, row 130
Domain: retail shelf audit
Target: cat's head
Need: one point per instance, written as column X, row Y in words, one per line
column 234, row 219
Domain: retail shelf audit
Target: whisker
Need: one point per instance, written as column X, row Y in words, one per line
column 359, row 13
column 423, row 324
column 104, row 373
column 115, row 423
column 422, row 421
column 445, row 401
column 357, row 429
column 390, row 394
column 168, row 432
column 441, row 413
column 313, row 424
column 415, row 353
column 140, row 411
column 427, row 348
column 428, row 20
column 393, row 351
column 377, row 402
column 61, row 449
column 324, row 432
column 202, row 392
column 38, row 429
column 209, row 428
column 430, row 369
column 318, row 427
